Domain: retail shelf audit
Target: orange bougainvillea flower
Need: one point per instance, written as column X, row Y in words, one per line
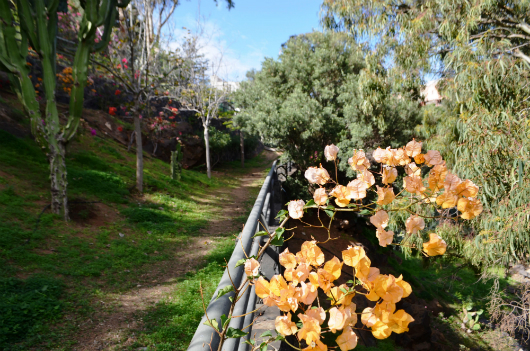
column 331, row 151
column 367, row 177
column 342, row 195
column 252, row 268
column 447, row 199
column 414, row 184
column 437, row 177
column 287, row 259
column 470, row 207
column 435, row 246
column 312, row 253
column 347, row 340
column 358, row 162
column 380, row 219
column 381, row 330
column 400, row 321
column 317, row 313
column 325, row 280
column 311, row 329
column 414, row 223
column 368, row 317
column 451, row 182
column 352, row 255
column 357, row 190
column 333, row 267
column 307, row 293
column 385, row 195
column 362, row 269
column 317, row 175
column 284, row 325
column 338, row 297
column 300, row 274
column 262, row 287
column 296, row 209
column 412, row 169
column 467, row 188
column 380, row 155
column 413, row 148
column 385, row 238
column 387, row 289
column 320, row 197
column 407, row 289
column 419, row 159
column 432, row 158
column 337, row 319
column 389, row 175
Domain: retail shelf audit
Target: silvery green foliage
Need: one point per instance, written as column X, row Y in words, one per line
column 481, row 51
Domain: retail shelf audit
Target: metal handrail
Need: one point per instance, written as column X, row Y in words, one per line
column 205, row 337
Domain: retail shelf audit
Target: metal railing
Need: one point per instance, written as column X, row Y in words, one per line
column 266, row 205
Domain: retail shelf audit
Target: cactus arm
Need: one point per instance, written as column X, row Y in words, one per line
column 105, row 7
column 107, row 29
column 48, row 76
column 79, row 75
column 27, row 24
column 13, row 58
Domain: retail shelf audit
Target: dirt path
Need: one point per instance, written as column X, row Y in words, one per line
column 117, row 314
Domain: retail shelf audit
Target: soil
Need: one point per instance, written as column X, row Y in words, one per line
column 117, row 316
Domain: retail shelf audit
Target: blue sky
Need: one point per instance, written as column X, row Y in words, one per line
column 248, row 33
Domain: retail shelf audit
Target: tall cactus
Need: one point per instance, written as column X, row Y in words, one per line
column 176, row 163
column 25, row 23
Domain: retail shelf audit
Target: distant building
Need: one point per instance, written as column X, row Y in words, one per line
column 431, row 94
column 222, row 84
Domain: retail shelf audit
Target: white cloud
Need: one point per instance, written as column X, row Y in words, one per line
column 216, row 47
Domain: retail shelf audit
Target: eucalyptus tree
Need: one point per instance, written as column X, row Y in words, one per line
column 481, row 50
column 325, row 88
column 33, row 24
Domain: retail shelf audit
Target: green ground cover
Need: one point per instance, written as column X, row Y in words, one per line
column 50, row 269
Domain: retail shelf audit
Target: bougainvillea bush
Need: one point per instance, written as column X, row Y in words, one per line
column 295, row 293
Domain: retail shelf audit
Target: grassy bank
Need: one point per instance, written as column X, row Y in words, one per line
column 52, row 272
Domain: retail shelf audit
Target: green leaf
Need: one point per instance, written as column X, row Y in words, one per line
column 250, row 342
column 279, row 337
column 225, row 320
column 267, row 333
column 365, row 212
column 260, row 233
column 310, row 203
column 476, row 327
column 235, row 333
column 240, row 262
column 224, row 291
column 281, row 214
column 212, row 323
column 350, row 282
column 279, row 232
column 479, row 312
column 343, row 290
column 277, row 242
column 263, row 346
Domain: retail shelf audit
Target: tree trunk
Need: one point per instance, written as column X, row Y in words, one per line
column 207, row 145
column 139, row 155
column 242, row 145
column 56, row 157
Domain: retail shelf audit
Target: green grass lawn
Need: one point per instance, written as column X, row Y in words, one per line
column 50, row 269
